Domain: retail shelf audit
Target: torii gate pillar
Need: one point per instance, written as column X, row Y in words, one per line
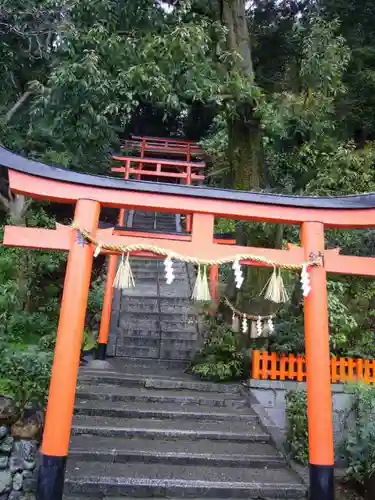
column 62, row 391
column 319, row 400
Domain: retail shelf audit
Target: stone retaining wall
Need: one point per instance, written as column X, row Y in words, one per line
column 19, row 443
column 271, row 396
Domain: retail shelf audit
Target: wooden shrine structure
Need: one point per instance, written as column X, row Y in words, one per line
column 91, row 193
column 153, row 146
column 177, row 166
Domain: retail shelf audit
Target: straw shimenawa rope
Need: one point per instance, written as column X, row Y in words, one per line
column 184, row 258
column 248, row 316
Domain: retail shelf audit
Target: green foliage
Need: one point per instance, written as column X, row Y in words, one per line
column 350, row 334
column 28, row 290
column 95, row 303
column 358, row 447
column 297, row 431
column 222, row 356
column 24, row 375
column 307, row 111
column 89, row 341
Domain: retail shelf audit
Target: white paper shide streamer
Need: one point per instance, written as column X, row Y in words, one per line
column 305, row 281
column 245, row 324
column 259, row 326
column 271, row 326
column 169, row 272
column 238, row 274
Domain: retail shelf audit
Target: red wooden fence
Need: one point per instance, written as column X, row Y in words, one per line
column 272, row 366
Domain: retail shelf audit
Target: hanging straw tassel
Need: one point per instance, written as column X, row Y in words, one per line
column 272, row 290
column 275, row 289
column 98, row 249
column 201, row 290
column 124, row 276
column 283, row 296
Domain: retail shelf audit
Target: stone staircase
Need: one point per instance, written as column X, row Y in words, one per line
column 145, row 429
column 155, row 320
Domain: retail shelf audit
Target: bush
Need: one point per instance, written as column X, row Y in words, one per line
column 359, row 446
column 297, row 428
column 222, row 356
column 25, row 376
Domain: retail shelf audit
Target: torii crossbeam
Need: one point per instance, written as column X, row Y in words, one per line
column 90, row 193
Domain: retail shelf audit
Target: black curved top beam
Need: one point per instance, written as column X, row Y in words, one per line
column 21, row 164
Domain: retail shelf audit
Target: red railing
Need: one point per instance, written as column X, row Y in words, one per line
column 271, row 366
column 188, row 149
column 159, row 168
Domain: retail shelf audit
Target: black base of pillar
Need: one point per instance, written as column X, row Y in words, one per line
column 101, row 352
column 321, row 482
column 51, row 478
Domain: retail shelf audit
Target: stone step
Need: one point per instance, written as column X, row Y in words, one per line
column 142, row 480
column 215, row 453
column 179, row 284
column 158, row 351
column 166, row 368
column 160, row 335
column 159, row 321
column 128, row 394
column 190, row 383
column 238, row 431
column 153, row 352
column 167, row 305
column 138, row 263
column 144, row 263
column 177, row 289
column 181, row 270
column 161, row 411
column 151, row 289
column 175, row 301
column 157, row 342
column 139, row 352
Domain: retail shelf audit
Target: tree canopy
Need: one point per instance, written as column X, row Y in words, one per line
column 279, row 92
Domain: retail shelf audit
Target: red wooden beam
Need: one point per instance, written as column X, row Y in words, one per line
column 166, row 236
column 157, row 161
column 65, row 192
column 158, row 173
column 59, row 239
column 164, row 140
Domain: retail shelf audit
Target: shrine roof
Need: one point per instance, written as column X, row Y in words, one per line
column 34, row 168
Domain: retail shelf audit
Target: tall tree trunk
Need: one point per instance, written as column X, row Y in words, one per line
column 245, row 137
column 245, row 152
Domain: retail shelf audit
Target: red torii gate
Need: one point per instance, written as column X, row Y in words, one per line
column 90, row 193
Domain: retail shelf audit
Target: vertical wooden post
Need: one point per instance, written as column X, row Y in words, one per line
column 188, row 216
column 214, row 283
column 121, row 219
column 105, row 320
column 319, row 399
column 62, row 390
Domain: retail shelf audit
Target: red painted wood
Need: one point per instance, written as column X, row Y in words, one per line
column 158, row 173
column 64, row 192
column 155, row 161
